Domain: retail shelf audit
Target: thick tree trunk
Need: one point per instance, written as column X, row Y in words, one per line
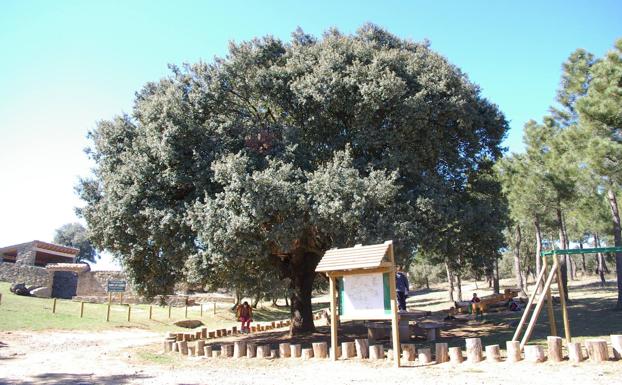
column 427, row 283
column 517, row 268
column 300, row 268
column 563, row 260
column 450, row 281
column 600, row 262
column 536, row 224
column 617, row 241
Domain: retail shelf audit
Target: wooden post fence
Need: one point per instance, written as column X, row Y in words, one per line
column 150, row 311
column 54, row 306
column 129, row 312
column 108, row 313
column 81, row 309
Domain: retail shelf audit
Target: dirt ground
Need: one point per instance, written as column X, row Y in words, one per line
column 118, row 357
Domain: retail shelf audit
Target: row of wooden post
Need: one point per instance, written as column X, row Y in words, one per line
column 596, row 349
column 129, row 310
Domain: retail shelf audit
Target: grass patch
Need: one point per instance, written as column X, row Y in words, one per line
column 31, row 313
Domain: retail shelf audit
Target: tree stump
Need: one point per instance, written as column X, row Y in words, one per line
column 442, row 352
column 296, row 350
column 239, row 349
column 207, row 351
column 597, row 350
column 192, row 350
column 307, row 353
column 534, row 353
column 320, row 349
column 251, row 350
column 555, row 348
column 513, row 351
column 284, row 350
column 409, row 352
column 183, row 347
column 226, row 350
column 203, row 333
column 215, row 353
column 211, row 334
column 218, row 333
column 616, row 344
column 425, row 355
column 493, row 354
column 474, row 350
column 348, row 350
column 575, row 353
column 376, row 352
column 455, row 355
column 180, row 336
column 200, row 347
column 263, row 351
column 234, row 330
column 362, row 347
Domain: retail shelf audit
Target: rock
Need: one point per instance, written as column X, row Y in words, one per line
column 42, row 292
column 189, row 323
column 20, row 289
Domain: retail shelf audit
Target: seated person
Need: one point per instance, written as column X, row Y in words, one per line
column 475, row 298
column 245, row 316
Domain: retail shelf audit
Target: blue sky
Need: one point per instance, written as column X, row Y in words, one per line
column 66, row 64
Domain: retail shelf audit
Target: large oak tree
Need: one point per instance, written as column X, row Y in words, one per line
column 282, row 150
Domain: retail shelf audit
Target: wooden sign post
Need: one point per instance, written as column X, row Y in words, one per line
column 362, row 287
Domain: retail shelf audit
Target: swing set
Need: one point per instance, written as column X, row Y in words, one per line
column 555, row 273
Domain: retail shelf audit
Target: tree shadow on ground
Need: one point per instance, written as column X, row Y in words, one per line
column 75, row 379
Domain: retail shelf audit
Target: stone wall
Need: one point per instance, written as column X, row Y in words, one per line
column 30, row 275
column 95, row 283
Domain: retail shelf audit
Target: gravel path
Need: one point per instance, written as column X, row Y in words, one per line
column 110, row 357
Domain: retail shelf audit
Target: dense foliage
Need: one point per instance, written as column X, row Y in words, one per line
column 75, row 235
column 282, row 150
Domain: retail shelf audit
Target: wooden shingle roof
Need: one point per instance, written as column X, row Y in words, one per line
column 357, row 257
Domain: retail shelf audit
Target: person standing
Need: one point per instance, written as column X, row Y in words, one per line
column 401, row 286
column 245, row 316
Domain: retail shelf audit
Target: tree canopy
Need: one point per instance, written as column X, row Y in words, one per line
column 282, row 150
column 76, row 235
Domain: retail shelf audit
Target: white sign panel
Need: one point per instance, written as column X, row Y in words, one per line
column 364, row 296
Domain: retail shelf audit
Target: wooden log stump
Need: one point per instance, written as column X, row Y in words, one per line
column 197, row 335
column 274, row 353
column 175, row 347
column 234, row 330
column 183, row 347
column 207, row 351
column 473, row 350
column 348, row 350
column 251, row 350
column 425, row 356
column 200, row 347
column 493, row 353
column 226, row 350
column 263, row 351
column 239, row 349
column 376, row 352
column 307, row 353
column 320, row 349
column 362, row 347
column 215, row 353
column 441, row 350
column 534, row 353
column 192, row 350
column 168, row 345
column 455, row 355
column 253, row 329
column 555, row 348
column 296, row 350
column 211, row 334
column 218, row 333
column 616, row 344
column 409, row 352
column 285, row 350
column 180, row 336
column 513, row 351
column 597, row 350
column 203, row 333
column 575, row 352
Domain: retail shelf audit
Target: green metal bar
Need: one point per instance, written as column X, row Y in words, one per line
column 583, row 251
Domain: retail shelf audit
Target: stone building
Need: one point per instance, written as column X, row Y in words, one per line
column 49, row 270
